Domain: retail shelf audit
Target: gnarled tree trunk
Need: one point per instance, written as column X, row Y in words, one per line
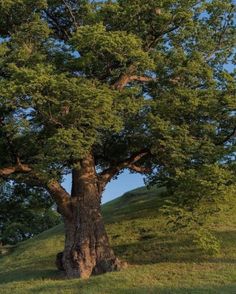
column 87, row 250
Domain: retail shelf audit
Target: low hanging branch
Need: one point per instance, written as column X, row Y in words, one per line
column 61, row 197
column 130, row 163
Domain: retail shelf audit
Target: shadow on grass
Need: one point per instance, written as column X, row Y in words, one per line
column 227, row 236
column 167, row 249
column 118, row 289
column 27, row 274
column 144, row 253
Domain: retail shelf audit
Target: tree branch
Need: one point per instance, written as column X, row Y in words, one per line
column 71, row 13
column 128, row 77
column 58, row 193
column 139, row 169
column 56, row 25
column 61, row 197
column 230, row 136
column 160, row 34
column 106, row 175
column 125, row 79
column 19, row 168
column 141, row 78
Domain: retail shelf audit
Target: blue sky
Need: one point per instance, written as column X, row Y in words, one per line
column 125, row 182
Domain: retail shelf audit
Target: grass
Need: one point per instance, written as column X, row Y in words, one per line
column 159, row 262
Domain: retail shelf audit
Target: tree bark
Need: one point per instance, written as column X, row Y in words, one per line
column 87, row 250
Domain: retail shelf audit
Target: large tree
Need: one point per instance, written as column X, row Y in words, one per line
column 95, row 87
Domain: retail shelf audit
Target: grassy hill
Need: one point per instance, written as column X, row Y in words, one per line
column 159, row 262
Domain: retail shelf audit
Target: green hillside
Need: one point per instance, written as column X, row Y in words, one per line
column 159, row 262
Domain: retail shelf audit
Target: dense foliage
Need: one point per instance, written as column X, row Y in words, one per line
column 24, row 213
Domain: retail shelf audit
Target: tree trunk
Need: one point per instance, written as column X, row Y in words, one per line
column 87, row 250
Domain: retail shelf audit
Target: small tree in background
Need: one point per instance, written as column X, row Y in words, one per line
column 94, row 87
column 25, row 212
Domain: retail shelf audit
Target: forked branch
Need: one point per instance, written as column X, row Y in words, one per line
column 130, row 163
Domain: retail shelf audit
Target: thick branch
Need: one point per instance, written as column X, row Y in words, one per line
column 19, row 168
column 126, row 78
column 108, row 174
column 139, row 169
column 61, row 197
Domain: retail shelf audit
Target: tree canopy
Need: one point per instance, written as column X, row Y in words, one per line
column 64, row 64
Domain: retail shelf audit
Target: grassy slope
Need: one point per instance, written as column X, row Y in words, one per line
column 159, row 262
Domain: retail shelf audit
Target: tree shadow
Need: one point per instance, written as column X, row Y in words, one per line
column 122, row 289
column 26, row 274
column 166, row 249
